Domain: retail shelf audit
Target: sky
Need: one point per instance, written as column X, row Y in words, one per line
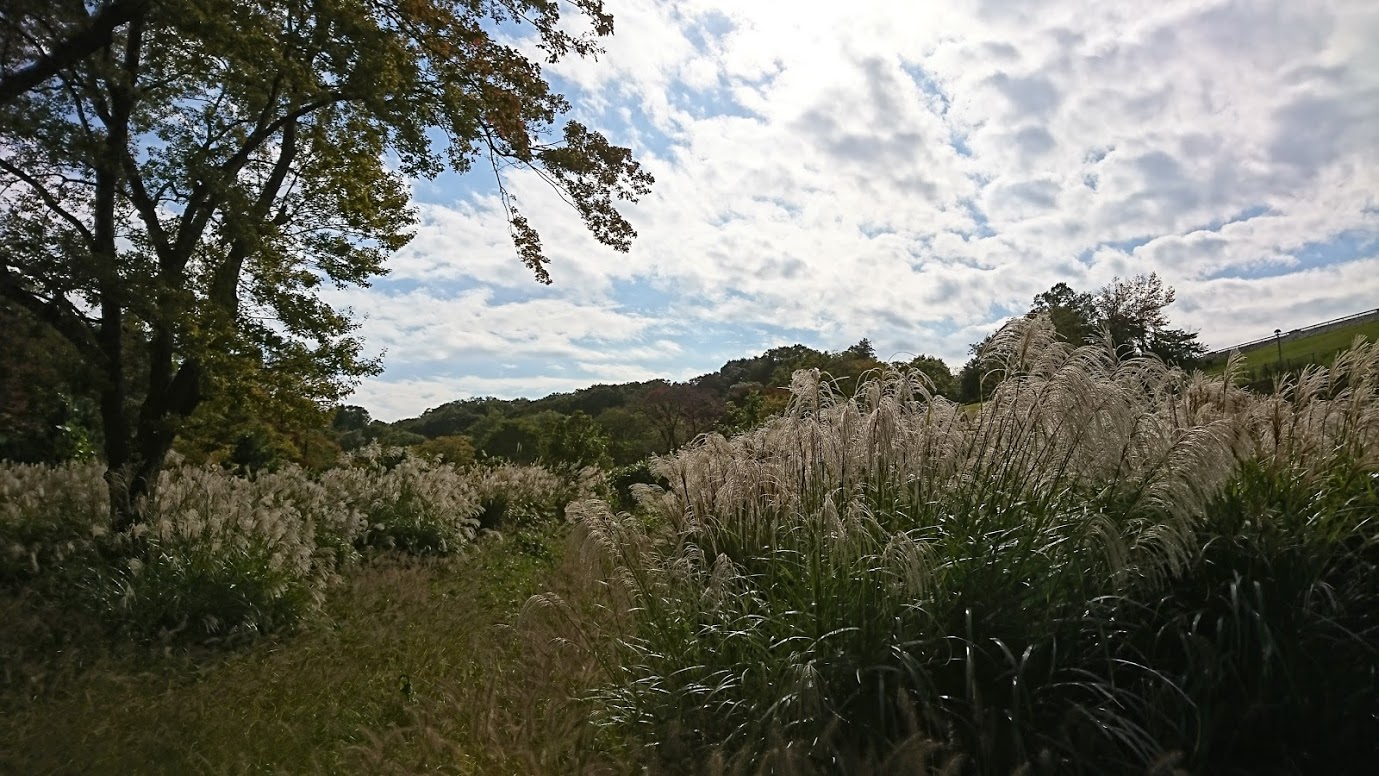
column 909, row 172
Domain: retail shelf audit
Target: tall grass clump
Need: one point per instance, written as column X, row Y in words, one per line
column 218, row 556
column 1272, row 633
column 407, row 502
column 49, row 516
column 223, row 557
column 520, row 496
column 886, row 568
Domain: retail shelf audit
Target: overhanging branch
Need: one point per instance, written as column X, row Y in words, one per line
column 56, row 312
column 95, row 34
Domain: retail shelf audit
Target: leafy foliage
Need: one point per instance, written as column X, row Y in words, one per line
column 940, row 377
column 1074, row 315
column 45, row 411
column 454, row 449
column 179, row 192
column 1127, row 313
column 1132, row 313
column 630, row 421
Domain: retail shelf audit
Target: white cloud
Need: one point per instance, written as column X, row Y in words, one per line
column 1231, row 311
column 908, row 171
column 419, row 326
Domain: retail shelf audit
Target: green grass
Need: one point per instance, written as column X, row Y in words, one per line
column 414, row 666
column 1318, row 349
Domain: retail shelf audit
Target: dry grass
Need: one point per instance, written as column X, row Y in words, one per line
column 865, row 560
column 419, row 665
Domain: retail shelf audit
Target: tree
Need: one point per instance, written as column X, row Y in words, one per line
column 1177, row 346
column 45, row 413
column 457, row 417
column 454, row 449
column 515, row 439
column 680, row 411
column 1132, row 312
column 350, row 417
column 754, row 408
column 940, row 376
column 862, row 350
column 630, row 435
column 575, row 440
column 74, row 32
column 977, row 380
column 178, row 192
column 250, row 405
column 1074, row 315
column 843, row 368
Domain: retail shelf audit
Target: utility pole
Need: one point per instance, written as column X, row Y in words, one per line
column 1278, row 333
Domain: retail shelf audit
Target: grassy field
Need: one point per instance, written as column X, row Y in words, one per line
column 1307, row 349
column 418, row 665
column 1110, row 567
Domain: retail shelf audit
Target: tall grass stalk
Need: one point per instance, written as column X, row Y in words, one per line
column 864, row 566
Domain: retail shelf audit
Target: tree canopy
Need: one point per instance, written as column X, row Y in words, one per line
column 183, row 177
column 1130, row 312
column 1074, row 315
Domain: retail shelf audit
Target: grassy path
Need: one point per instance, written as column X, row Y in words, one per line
column 413, row 668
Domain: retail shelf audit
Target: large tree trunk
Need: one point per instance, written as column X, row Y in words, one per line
column 133, row 463
column 121, row 469
column 132, row 487
column 133, row 456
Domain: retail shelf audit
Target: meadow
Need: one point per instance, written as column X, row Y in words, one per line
column 1299, row 350
column 1111, row 567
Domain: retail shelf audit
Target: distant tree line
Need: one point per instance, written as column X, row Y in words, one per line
column 48, row 406
column 620, row 424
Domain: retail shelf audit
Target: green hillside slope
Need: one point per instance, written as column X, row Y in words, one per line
column 1299, row 350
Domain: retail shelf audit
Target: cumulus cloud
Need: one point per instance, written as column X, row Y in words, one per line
column 912, row 173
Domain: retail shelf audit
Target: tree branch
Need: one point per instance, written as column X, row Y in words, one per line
column 56, row 312
column 225, row 283
column 50, row 200
column 147, row 207
column 96, row 34
column 197, row 214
